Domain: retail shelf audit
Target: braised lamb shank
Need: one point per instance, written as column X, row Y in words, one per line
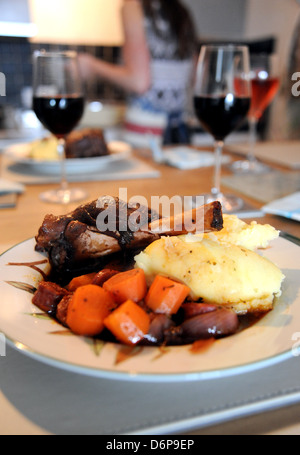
column 74, row 240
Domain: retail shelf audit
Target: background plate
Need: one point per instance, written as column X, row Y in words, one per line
column 20, row 153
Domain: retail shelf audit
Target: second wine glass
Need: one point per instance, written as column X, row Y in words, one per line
column 264, row 71
column 58, row 103
column 221, row 101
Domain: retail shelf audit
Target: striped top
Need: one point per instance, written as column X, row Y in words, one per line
column 171, row 77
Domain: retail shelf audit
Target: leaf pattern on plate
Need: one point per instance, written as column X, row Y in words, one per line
column 61, row 332
column 32, row 265
column 23, row 286
column 126, row 352
column 40, row 315
column 162, row 350
column 95, row 344
column 201, row 345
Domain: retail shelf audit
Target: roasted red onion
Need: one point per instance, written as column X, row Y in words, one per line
column 193, row 308
column 158, row 326
column 213, row 324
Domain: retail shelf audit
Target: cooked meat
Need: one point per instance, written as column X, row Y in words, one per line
column 77, row 237
column 86, row 143
column 62, row 309
column 48, row 295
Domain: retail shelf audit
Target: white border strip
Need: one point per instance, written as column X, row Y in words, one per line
column 19, row 29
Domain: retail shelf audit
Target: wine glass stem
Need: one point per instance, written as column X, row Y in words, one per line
column 216, row 189
column 252, row 139
column 62, row 157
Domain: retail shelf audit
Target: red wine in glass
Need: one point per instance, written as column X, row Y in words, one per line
column 58, row 103
column 59, row 114
column 220, row 115
column 221, row 102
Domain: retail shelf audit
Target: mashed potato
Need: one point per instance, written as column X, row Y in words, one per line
column 44, row 149
column 216, row 270
column 238, row 232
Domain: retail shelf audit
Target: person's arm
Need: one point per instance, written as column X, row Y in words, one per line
column 133, row 75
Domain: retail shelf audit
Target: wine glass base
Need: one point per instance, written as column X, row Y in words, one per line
column 229, row 202
column 63, row 196
column 249, row 167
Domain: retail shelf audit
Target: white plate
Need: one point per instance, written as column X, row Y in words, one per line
column 20, row 153
column 271, row 340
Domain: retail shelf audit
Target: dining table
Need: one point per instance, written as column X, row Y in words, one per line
column 38, row 398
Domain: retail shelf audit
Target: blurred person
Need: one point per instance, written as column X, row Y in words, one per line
column 158, row 62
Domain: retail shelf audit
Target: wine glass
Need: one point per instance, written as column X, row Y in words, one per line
column 58, row 103
column 221, row 101
column 265, row 84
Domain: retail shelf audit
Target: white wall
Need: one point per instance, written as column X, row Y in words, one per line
column 247, row 19
column 273, row 17
column 14, row 11
column 220, row 19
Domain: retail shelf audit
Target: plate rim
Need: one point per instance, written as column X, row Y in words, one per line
column 106, row 373
column 149, row 377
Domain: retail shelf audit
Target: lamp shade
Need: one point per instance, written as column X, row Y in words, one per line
column 79, row 22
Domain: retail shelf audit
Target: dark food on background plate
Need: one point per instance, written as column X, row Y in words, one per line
column 155, row 288
column 86, row 143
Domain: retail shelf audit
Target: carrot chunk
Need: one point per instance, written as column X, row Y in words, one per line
column 128, row 323
column 81, row 280
column 88, row 308
column 128, row 285
column 166, row 295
